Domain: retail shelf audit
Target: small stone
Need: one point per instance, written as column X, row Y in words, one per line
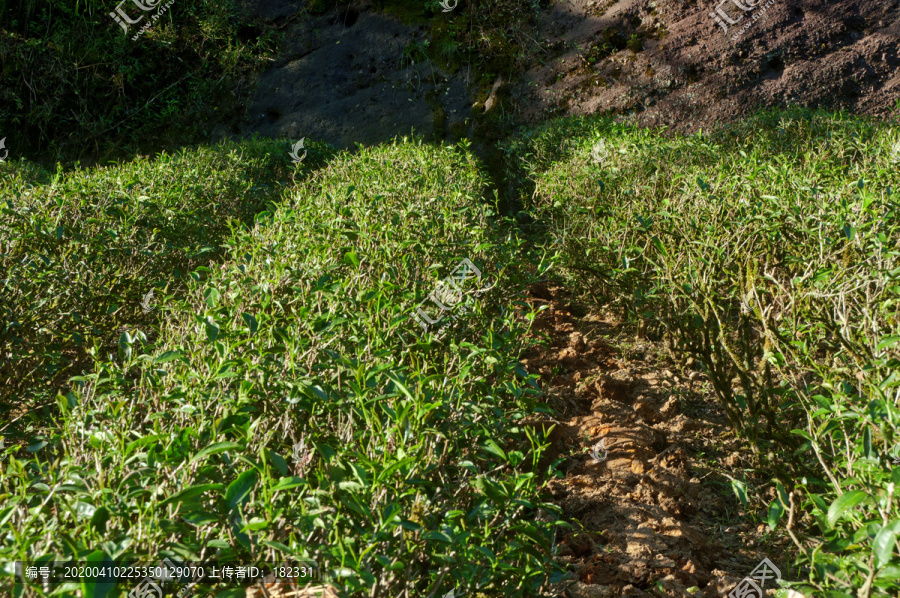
column 644, row 407
column 670, row 408
column 576, row 341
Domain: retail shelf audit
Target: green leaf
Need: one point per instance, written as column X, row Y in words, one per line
column 125, row 342
column 867, row 443
column 351, row 258
column 396, row 380
column 33, row 448
column 491, row 489
column 91, row 588
column 889, row 573
column 218, row 447
column 843, row 503
column 438, row 536
column 388, row 471
column 252, row 324
column 782, row 494
column 802, row 433
column 142, row 442
column 888, row 341
column 493, row 448
column 84, row 510
column 775, row 513
column 212, row 329
column 883, row 545
column 278, row 461
column 190, row 492
column 288, row 483
column 239, row 490
column 168, row 356
column 740, row 490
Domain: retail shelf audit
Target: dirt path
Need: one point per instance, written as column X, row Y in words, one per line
column 656, row 512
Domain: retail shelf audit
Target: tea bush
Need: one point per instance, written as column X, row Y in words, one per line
column 81, row 248
column 766, row 251
column 413, row 469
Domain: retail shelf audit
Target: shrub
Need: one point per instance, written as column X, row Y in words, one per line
column 768, row 253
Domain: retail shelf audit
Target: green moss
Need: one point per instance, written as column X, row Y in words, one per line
column 635, row 43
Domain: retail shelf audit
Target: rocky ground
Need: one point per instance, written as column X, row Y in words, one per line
column 670, row 64
column 353, row 75
column 357, row 75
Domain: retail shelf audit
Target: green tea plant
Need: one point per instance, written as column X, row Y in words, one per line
column 80, row 248
column 767, row 252
column 414, row 470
